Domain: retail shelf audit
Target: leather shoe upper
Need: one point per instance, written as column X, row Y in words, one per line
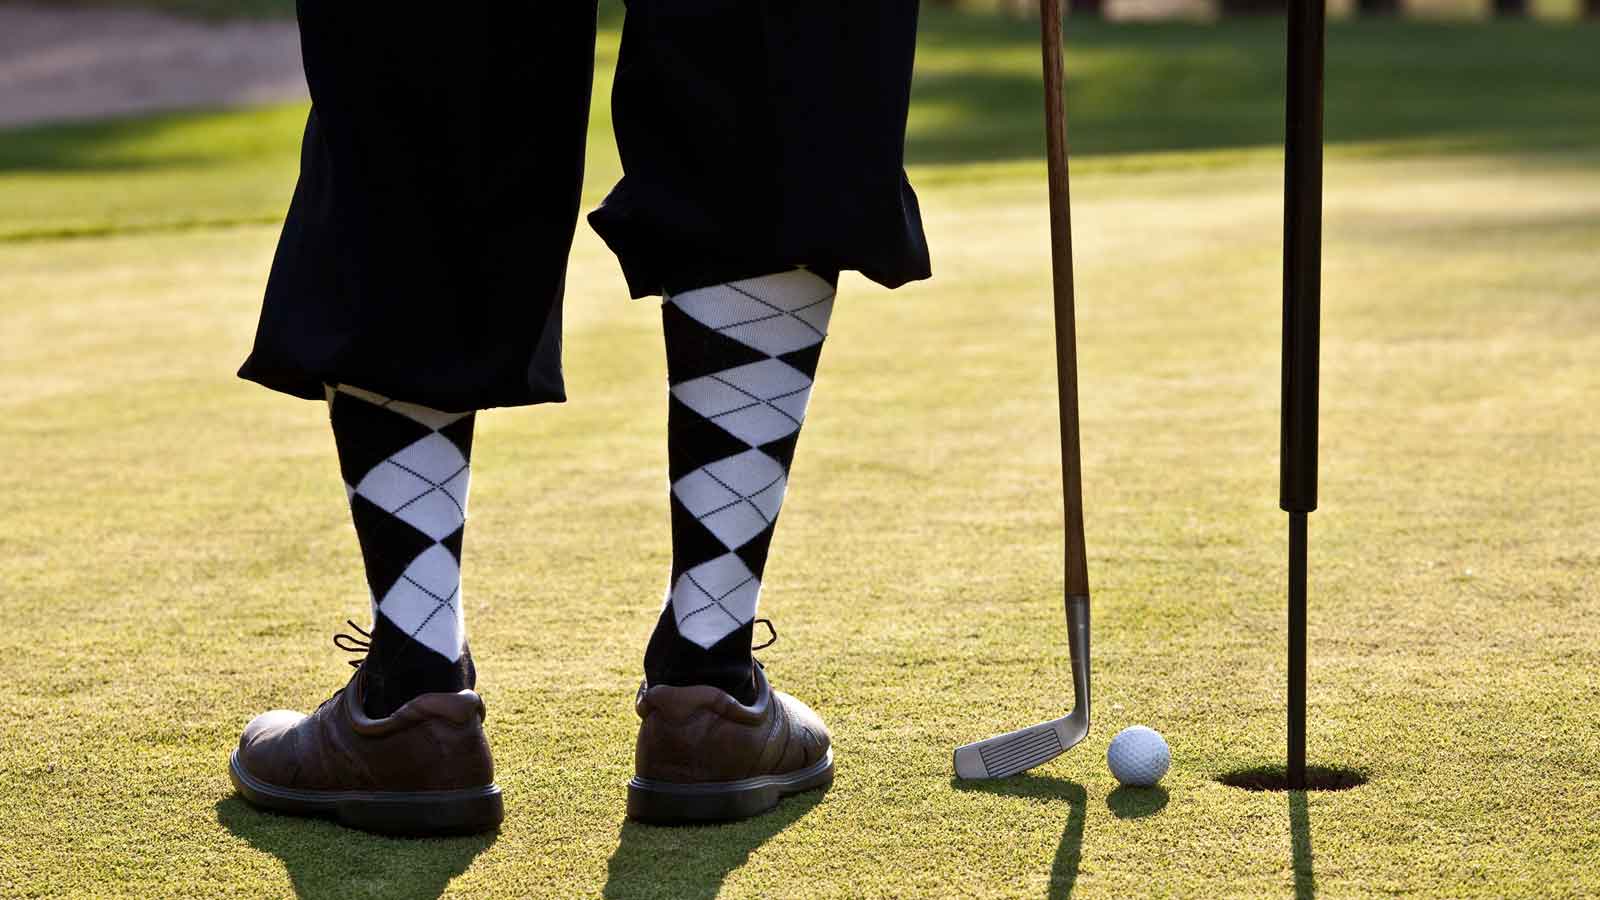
column 702, row 734
column 433, row 742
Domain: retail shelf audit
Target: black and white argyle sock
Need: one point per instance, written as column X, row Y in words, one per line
column 741, row 358
column 405, row 470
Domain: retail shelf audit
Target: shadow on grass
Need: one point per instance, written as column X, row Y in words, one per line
column 692, row 861
column 1150, row 88
column 329, row 861
column 1069, row 853
column 1137, row 802
column 1318, row 778
column 1305, row 876
column 1131, row 88
column 186, row 140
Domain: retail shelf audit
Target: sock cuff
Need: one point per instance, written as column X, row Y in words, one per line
column 425, row 415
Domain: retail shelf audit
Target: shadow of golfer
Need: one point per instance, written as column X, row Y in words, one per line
column 1305, row 878
column 692, row 861
column 326, row 861
column 1064, row 871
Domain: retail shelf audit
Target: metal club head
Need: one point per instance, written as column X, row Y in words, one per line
column 1018, row 751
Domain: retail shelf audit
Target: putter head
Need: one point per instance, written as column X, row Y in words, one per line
column 1018, row 751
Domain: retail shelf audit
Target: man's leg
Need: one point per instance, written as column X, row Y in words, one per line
column 742, row 158
column 406, row 469
column 741, row 358
column 423, row 258
column 401, row 748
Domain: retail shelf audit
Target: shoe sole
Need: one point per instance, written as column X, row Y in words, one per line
column 467, row 811
column 669, row 803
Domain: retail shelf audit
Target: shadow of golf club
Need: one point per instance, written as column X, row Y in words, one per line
column 327, row 861
column 1064, row 871
column 1137, row 802
column 692, row 861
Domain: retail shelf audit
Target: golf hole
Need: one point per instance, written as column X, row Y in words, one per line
column 1274, row 778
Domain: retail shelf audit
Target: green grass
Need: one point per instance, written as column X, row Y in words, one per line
column 176, row 548
column 1211, row 92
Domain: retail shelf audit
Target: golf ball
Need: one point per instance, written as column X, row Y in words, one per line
column 1138, row 756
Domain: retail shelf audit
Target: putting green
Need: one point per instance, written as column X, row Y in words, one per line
column 176, row 546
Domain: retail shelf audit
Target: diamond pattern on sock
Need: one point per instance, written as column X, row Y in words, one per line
column 406, row 473
column 756, row 403
column 700, row 350
column 735, row 498
column 740, row 358
column 693, row 439
column 388, row 544
column 425, row 602
column 714, row 598
column 424, row 485
column 775, row 314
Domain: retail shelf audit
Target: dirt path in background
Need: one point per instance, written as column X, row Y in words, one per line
column 65, row 64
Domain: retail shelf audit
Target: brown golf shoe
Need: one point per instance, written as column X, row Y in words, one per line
column 425, row 769
column 703, row 756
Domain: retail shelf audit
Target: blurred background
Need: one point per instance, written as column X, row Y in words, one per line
column 1146, row 76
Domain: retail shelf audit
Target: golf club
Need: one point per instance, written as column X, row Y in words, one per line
column 1302, row 312
column 1018, row 751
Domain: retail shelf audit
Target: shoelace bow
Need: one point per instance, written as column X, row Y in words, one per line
column 772, row 630
column 352, row 644
column 362, row 645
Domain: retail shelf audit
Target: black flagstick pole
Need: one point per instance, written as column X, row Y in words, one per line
column 1302, row 307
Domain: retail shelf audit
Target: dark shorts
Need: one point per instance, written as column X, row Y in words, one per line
column 424, row 254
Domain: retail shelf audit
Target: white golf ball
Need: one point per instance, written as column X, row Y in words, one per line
column 1138, row 756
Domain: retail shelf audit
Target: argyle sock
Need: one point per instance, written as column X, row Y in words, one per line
column 405, row 470
column 741, row 358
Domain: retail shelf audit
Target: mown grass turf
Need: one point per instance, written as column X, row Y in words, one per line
column 176, row 547
column 1134, row 91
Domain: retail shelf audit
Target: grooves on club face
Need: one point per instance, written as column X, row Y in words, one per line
column 1007, row 754
column 1017, row 751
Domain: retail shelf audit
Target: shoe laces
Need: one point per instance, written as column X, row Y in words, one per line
column 770, row 630
column 349, row 643
column 363, row 644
